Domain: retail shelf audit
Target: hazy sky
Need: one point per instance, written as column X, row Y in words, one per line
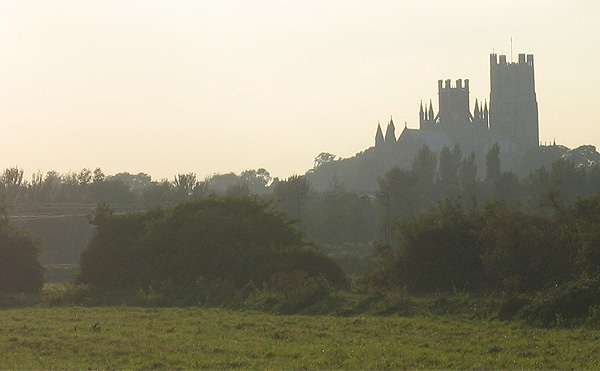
column 167, row 87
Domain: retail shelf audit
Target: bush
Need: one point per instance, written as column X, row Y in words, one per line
column 294, row 293
column 68, row 294
column 511, row 306
column 202, row 292
column 502, row 248
column 523, row 252
column 567, row 304
column 438, row 251
column 20, row 270
column 230, row 240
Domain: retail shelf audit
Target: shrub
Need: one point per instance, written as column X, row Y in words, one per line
column 567, row 304
column 68, row 294
column 231, row 240
column 294, row 292
column 438, row 251
column 20, row 271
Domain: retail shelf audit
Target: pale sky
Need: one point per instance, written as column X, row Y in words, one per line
column 167, row 87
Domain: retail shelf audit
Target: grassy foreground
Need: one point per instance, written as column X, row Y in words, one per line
column 176, row 338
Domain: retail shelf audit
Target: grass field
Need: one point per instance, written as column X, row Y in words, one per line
column 148, row 338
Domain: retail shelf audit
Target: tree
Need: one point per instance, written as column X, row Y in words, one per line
column 396, row 193
column 492, row 162
column 11, row 181
column 239, row 240
column 537, row 188
column 423, row 171
column 12, row 177
column 186, row 187
column 98, row 175
column 523, row 251
column 450, row 162
column 323, row 158
column 507, row 188
column 568, row 181
column 583, row 228
column 338, row 216
column 291, row 194
column 113, row 191
column 256, row 180
column 467, row 175
column 407, row 192
column 84, row 177
column 20, row 271
column 157, row 193
column 438, row 251
column 238, row 190
column 219, row 183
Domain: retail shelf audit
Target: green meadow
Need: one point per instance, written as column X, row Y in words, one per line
column 207, row 338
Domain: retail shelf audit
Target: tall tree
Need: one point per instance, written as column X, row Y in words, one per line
column 291, row 195
column 450, row 162
column 492, row 162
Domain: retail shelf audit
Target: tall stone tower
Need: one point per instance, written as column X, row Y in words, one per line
column 453, row 103
column 513, row 103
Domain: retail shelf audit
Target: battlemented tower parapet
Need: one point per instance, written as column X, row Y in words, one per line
column 509, row 118
column 453, row 103
column 513, row 103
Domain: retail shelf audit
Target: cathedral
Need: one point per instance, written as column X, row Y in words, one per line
column 510, row 119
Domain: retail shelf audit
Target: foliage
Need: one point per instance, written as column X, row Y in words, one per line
column 583, row 219
column 62, row 294
column 523, row 252
column 291, row 292
column 20, row 270
column 239, row 240
column 498, row 247
column 291, row 195
column 323, row 158
column 566, row 304
column 439, row 251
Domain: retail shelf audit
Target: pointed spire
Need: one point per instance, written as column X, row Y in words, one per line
column 485, row 113
column 390, row 133
column 379, row 136
column 431, row 114
column 477, row 113
column 421, row 113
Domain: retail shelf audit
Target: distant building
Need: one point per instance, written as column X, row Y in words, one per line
column 511, row 119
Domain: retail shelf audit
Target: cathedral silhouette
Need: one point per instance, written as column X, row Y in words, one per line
column 510, row 119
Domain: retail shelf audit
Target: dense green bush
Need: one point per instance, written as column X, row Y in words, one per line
column 497, row 247
column 567, row 304
column 20, row 270
column 523, row 252
column 57, row 294
column 236, row 240
column 439, row 251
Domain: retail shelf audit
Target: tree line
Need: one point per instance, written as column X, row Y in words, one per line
column 93, row 187
column 336, row 216
column 441, row 227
